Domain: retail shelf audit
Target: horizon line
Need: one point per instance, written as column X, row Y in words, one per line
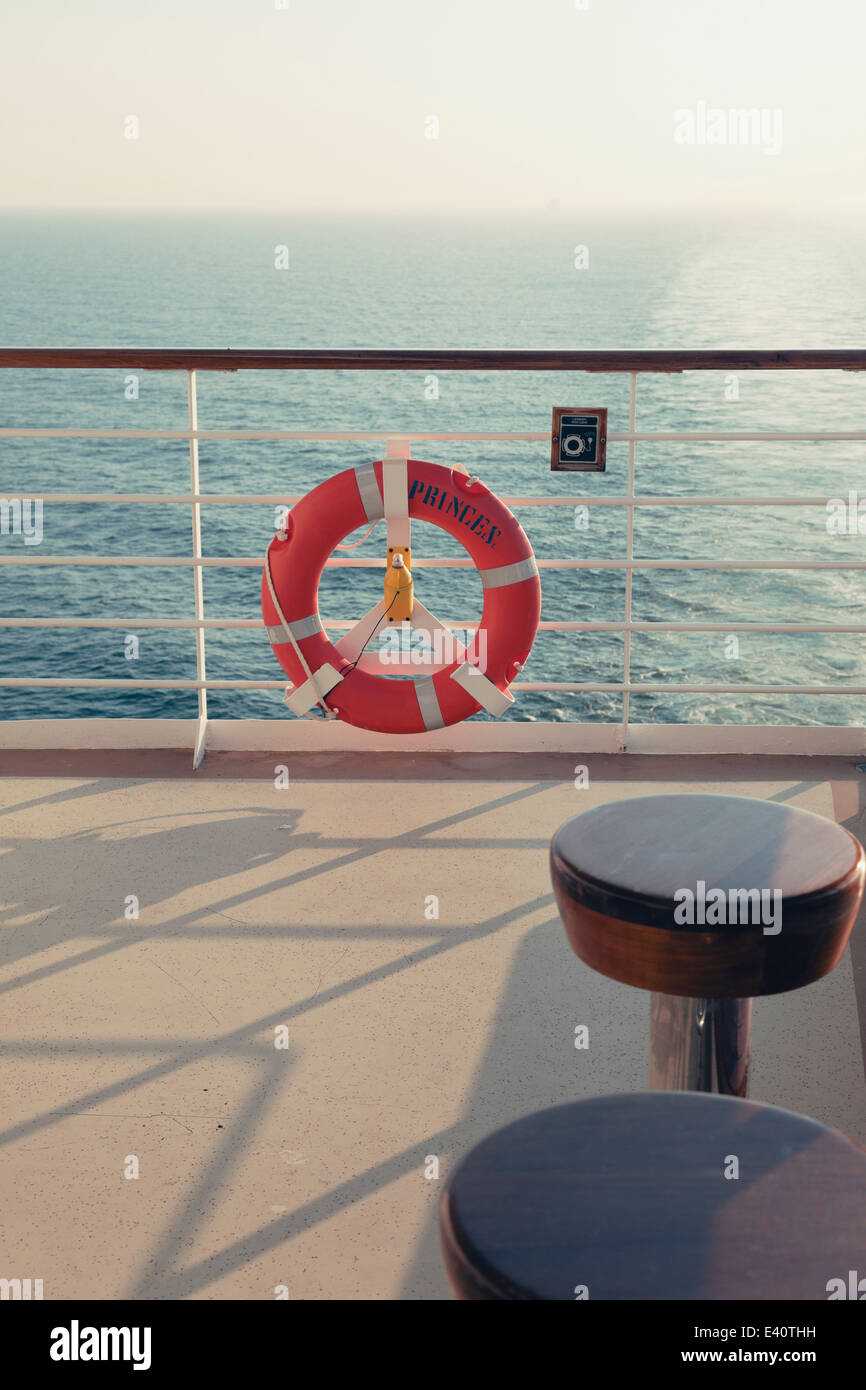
column 852, row 204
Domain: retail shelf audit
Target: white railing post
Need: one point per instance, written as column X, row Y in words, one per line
column 629, row 553
column 198, row 573
column 398, row 448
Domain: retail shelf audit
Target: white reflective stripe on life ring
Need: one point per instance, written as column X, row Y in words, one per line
column 371, row 497
column 302, row 627
column 428, row 703
column 504, row 575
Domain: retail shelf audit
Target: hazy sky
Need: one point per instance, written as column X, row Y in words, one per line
column 325, row 103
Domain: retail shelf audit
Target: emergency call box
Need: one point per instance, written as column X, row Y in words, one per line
column 578, row 441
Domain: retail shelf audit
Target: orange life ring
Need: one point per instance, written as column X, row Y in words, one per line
column 500, row 550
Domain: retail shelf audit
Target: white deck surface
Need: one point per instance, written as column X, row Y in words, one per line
column 408, row 1036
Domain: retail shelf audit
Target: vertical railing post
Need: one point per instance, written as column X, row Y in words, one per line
column 629, row 551
column 397, row 448
column 198, row 574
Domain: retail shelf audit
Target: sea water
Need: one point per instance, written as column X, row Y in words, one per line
column 285, row 280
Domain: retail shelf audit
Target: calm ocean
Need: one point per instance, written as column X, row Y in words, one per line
column 209, row 280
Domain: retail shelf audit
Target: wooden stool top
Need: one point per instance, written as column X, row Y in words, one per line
column 627, row 1198
column 664, row 892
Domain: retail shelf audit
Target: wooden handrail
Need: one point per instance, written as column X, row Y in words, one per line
column 438, row 359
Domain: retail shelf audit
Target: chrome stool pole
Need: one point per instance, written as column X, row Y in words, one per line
column 700, row 1044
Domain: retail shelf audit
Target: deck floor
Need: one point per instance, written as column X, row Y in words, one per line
column 308, row 908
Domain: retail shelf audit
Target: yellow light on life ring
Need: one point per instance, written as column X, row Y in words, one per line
column 399, row 584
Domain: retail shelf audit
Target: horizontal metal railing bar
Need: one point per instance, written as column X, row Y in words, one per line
column 440, row 359
column 256, row 624
column 678, row 688
column 421, row 436
column 369, row 436
column 179, row 498
column 439, row 562
column 681, row 500
column 281, row 499
column 566, row 687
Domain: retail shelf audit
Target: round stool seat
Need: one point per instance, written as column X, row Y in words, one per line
column 707, row 896
column 626, row 1197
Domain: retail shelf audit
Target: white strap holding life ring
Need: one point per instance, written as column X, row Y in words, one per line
column 395, row 499
column 301, row 699
column 476, row 684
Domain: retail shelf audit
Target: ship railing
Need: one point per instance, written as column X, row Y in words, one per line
column 609, row 736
